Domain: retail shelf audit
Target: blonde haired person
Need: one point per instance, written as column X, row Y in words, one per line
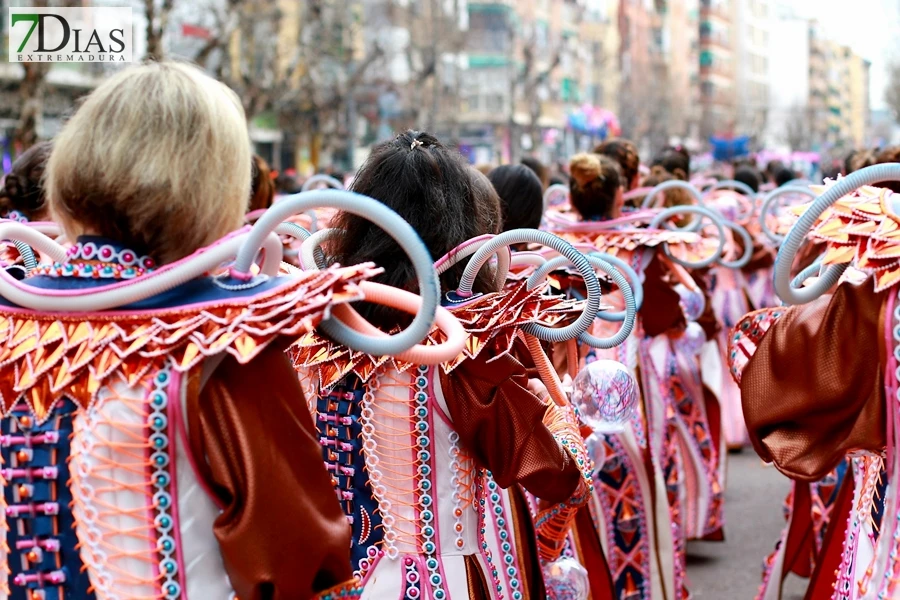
column 177, row 459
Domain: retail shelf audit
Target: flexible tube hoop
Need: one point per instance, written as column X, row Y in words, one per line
column 675, row 184
column 801, row 182
column 48, row 228
column 19, row 232
column 770, row 200
column 748, row 246
column 293, row 230
column 554, row 189
column 311, row 255
column 470, row 247
column 634, row 280
column 322, row 178
column 518, row 236
column 790, row 294
column 29, row 260
column 624, row 286
column 703, row 212
column 133, row 290
column 395, row 226
column 812, row 270
column 407, row 302
column 637, row 286
column 525, row 258
column 640, row 192
column 732, row 183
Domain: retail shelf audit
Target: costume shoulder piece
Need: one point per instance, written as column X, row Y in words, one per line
column 746, row 337
column 492, row 322
column 73, row 355
column 686, row 245
column 862, row 228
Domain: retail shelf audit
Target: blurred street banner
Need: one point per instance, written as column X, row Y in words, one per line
column 729, row 149
column 82, row 34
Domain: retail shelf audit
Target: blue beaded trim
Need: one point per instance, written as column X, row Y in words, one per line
column 162, row 482
column 426, row 500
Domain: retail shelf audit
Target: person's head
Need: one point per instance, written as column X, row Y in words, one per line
column 432, row 188
column 783, row 176
column 157, row 158
column 595, row 186
column 625, row 153
column 539, row 169
column 859, row 159
column 23, row 188
column 773, row 167
column 285, row 183
column 891, row 154
column 676, row 161
column 521, row 196
column 262, row 188
column 671, row 197
column 748, row 176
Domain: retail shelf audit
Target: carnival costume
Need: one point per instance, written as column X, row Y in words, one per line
column 843, row 398
column 420, row 455
column 639, row 511
column 141, row 424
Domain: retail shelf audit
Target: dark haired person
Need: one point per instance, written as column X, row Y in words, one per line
column 521, row 196
column 676, row 161
column 22, row 196
column 748, row 176
column 487, row 414
column 625, row 153
column 262, row 187
column 539, row 169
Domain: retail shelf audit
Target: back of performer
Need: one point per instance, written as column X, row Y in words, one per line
column 159, row 450
column 419, row 507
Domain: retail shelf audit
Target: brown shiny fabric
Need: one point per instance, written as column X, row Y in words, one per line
column 814, row 390
column 661, row 310
column 763, row 255
column 500, row 423
column 526, row 544
column 281, row 532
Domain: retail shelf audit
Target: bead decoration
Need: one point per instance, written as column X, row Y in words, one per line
column 425, row 500
column 162, row 499
column 349, row 590
column 90, row 261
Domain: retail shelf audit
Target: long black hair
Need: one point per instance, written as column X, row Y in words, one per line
column 435, row 190
column 521, row 196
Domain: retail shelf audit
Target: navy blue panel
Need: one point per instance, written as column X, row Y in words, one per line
column 41, row 527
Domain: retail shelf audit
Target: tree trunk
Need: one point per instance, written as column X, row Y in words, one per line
column 32, row 90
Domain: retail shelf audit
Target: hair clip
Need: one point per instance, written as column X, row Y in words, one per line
column 415, row 144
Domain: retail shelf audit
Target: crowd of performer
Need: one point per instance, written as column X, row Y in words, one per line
column 440, row 382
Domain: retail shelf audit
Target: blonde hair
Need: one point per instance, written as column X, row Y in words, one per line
column 157, row 157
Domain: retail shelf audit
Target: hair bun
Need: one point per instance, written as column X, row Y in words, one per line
column 585, row 168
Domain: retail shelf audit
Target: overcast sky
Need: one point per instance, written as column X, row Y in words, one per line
column 870, row 27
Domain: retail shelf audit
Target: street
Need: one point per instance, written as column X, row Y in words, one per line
column 754, row 518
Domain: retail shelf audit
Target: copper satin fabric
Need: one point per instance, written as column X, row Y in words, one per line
column 500, row 423
column 281, row 533
column 814, row 390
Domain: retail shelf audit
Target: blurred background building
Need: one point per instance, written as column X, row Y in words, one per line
column 322, row 80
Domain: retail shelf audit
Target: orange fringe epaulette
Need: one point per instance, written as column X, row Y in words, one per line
column 491, row 321
column 49, row 356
